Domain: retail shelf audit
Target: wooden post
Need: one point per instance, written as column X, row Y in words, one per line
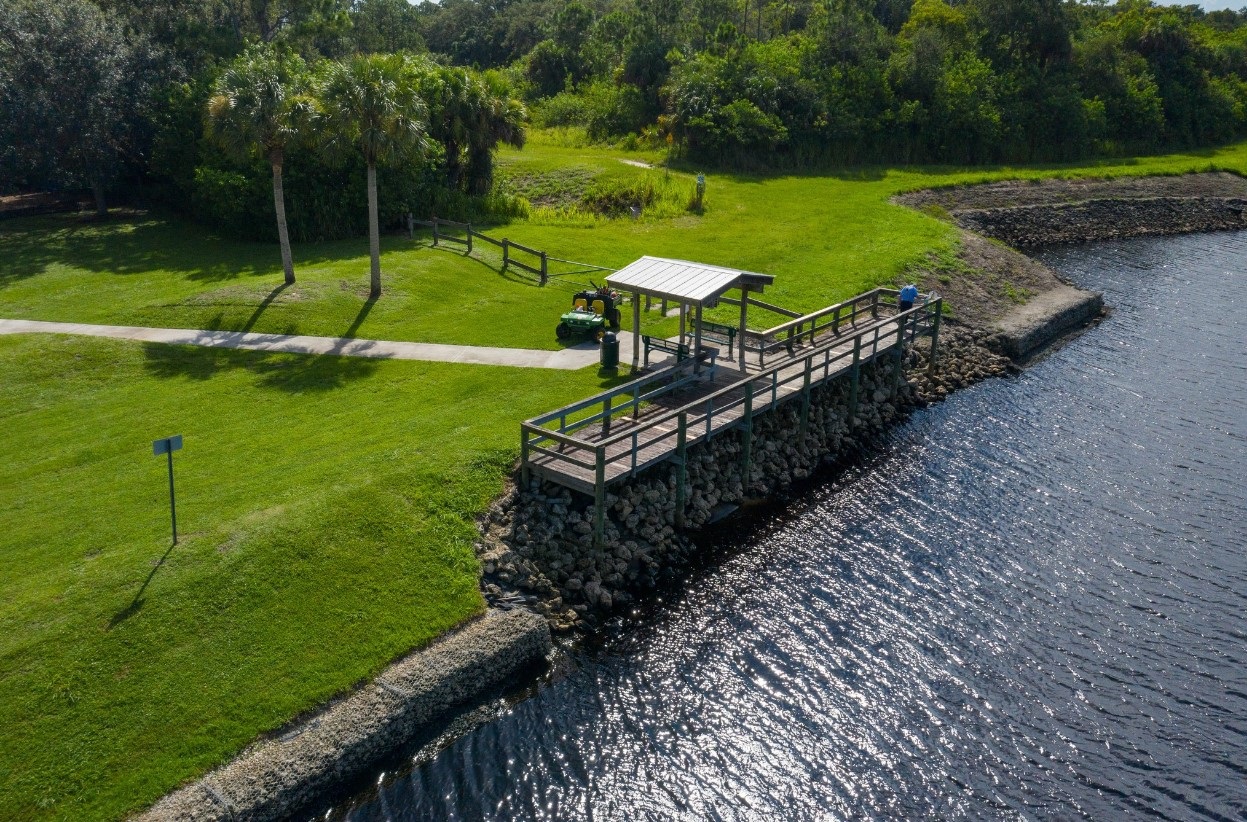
column 697, row 341
column 681, row 471
column 435, row 235
column 855, row 378
column 411, row 226
column 599, row 498
column 636, row 329
column 874, row 304
column 746, row 438
column 545, row 271
column 683, row 316
column 935, row 336
column 900, row 356
column 506, row 253
column 525, row 472
column 469, row 238
column 649, row 303
column 744, row 315
column 835, row 321
column 805, row 398
column 606, row 416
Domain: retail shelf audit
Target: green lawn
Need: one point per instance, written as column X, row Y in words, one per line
column 326, row 508
column 327, row 504
column 825, row 237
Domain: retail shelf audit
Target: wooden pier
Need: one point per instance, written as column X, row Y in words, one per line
column 590, row 445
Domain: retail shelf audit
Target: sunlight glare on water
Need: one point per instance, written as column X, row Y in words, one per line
column 1028, row 605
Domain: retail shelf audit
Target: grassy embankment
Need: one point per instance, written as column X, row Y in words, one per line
column 327, row 504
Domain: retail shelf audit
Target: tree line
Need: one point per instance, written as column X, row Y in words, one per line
column 115, row 95
column 235, row 111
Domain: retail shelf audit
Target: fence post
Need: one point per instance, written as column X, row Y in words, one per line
column 599, row 498
column 805, row 398
column 835, row 321
column 469, row 238
column 545, row 275
column 855, row 379
column 411, row 226
column 435, row 235
column 935, row 336
column 900, row 356
column 746, row 439
column 874, row 304
column 681, row 471
column 525, row 471
column 606, row 416
column 506, row 253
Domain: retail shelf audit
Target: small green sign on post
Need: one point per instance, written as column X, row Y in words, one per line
column 167, row 446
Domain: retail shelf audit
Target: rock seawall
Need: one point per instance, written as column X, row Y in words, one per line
column 1033, row 225
column 276, row 778
column 537, row 542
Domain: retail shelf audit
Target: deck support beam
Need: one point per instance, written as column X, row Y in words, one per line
column 683, row 324
column 697, row 341
column 681, row 471
column 899, row 361
column 636, row 330
column 599, row 499
column 855, row 375
column 746, row 439
column 805, row 398
column 526, row 473
column 935, row 336
column 744, row 316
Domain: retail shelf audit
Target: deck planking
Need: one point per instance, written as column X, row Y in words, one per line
column 656, row 440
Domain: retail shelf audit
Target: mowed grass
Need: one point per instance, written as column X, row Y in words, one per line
column 326, row 512
column 824, row 236
column 327, row 504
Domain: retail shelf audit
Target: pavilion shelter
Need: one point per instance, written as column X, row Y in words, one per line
column 694, row 287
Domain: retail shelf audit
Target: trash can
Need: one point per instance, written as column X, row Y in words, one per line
column 610, row 350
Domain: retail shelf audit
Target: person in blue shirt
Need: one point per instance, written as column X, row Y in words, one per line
column 909, row 296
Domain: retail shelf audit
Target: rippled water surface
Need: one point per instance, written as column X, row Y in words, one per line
column 1031, row 605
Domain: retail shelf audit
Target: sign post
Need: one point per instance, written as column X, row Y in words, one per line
column 167, row 446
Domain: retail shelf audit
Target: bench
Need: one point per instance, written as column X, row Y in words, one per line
column 720, row 333
column 681, row 352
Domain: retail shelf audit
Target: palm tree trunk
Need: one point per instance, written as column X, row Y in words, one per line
column 101, row 205
column 283, row 236
column 374, row 233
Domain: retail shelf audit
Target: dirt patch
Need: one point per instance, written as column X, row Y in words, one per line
column 984, row 281
column 1016, row 193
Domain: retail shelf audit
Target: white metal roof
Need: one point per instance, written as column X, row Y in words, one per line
column 683, row 281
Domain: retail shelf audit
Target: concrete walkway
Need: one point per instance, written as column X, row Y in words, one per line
column 578, row 356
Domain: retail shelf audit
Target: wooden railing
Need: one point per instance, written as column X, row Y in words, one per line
column 539, row 266
column 786, row 336
column 604, row 407
column 670, row 432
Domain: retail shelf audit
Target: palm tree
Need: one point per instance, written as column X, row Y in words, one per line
column 370, row 102
column 258, row 107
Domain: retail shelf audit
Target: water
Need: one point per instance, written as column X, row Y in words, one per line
column 1029, row 606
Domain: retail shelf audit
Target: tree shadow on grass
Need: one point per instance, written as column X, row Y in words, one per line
column 260, row 309
column 291, row 373
column 364, row 311
column 145, row 242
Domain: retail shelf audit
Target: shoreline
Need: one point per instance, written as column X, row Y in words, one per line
column 539, row 586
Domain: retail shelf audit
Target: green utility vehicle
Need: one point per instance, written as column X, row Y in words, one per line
column 593, row 312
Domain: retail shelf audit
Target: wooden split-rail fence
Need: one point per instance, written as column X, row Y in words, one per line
column 538, row 263
column 615, row 435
